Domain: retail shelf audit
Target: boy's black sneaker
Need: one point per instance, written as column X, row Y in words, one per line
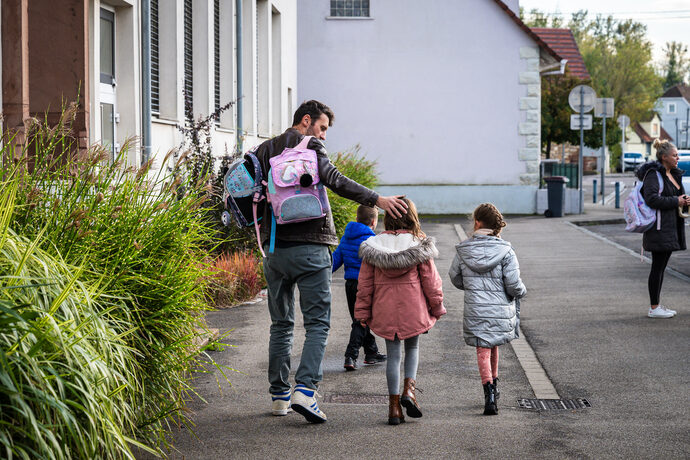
column 374, row 359
column 350, row 364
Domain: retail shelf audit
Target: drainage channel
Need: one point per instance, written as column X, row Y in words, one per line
column 338, row 398
column 553, row 404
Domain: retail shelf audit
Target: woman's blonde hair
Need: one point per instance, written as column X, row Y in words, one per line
column 663, row 148
column 490, row 217
column 409, row 221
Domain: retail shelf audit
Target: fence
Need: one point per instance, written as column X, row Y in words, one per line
column 555, row 168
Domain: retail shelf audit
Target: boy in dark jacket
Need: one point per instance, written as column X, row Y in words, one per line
column 348, row 253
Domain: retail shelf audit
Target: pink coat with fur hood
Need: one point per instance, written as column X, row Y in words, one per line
column 399, row 291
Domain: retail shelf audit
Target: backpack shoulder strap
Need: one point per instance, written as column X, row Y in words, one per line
column 304, row 143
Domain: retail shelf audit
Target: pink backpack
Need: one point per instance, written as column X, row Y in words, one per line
column 294, row 189
column 639, row 217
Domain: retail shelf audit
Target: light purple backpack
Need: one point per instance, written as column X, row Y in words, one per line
column 639, row 217
column 294, row 189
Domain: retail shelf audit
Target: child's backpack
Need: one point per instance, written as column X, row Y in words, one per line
column 639, row 217
column 244, row 193
column 294, row 189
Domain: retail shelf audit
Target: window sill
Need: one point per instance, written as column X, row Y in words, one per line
column 164, row 121
column 349, row 18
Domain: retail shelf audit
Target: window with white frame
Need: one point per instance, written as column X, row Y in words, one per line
column 350, row 8
column 655, row 129
column 671, row 107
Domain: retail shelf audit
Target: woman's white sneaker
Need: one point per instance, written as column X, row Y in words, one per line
column 668, row 310
column 659, row 312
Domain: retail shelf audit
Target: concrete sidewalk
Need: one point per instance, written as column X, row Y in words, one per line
column 584, row 316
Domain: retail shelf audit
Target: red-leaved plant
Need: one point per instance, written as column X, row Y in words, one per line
column 237, row 277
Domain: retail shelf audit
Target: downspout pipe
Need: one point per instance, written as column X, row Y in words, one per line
column 146, row 80
column 238, row 40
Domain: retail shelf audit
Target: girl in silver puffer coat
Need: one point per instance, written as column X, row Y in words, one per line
column 486, row 268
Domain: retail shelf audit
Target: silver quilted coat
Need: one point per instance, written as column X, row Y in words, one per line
column 486, row 268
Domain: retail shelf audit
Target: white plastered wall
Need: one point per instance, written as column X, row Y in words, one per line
column 444, row 114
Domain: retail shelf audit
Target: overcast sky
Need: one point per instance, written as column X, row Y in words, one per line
column 666, row 20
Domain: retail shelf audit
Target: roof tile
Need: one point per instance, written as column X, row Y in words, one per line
column 563, row 43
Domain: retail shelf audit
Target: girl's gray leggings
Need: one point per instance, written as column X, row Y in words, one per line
column 394, row 350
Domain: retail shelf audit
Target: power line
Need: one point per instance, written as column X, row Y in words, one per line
column 610, row 13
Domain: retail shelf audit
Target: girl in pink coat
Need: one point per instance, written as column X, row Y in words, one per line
column 399, row 297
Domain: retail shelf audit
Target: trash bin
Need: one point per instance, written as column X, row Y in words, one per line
column 555, row 186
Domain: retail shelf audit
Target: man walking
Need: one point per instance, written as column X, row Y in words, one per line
column 301, row 257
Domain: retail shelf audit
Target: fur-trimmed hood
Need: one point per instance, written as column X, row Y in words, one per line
column 397, row 250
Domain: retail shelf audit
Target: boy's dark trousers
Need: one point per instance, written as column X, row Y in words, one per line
column 359, row 336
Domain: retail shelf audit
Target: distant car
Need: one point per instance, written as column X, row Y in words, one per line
column 632, row 161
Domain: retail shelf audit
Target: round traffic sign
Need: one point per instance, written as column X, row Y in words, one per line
column 623, row 120
column 582, row 96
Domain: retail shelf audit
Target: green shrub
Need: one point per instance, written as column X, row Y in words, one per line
column 360, row 170
column 138, row 233
column 67, row 375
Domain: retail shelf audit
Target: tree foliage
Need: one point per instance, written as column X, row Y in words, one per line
column 618, row 57
column 676, row 66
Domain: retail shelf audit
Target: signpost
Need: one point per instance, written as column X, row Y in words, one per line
column 603, row 108
column 581, row 100
column 623, row 122
column 575, row 121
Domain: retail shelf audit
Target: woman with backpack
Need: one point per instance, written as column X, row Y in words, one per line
column 668, row 234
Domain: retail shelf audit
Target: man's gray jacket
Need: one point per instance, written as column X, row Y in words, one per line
column 319, row 231
column 487, row 269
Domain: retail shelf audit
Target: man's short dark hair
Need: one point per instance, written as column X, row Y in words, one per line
column 366, row 214
column 314, row 109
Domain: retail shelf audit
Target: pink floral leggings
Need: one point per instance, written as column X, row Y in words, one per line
column 487, row 358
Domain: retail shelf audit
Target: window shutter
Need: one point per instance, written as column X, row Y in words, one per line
column 216, row 53
column 155, row 61
column 188, row 62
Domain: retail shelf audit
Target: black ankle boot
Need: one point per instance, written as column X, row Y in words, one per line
column 490, row 399
column 498, row 393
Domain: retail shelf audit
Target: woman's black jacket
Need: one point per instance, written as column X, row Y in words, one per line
column 671, row 235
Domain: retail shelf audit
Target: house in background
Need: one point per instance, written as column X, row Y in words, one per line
column 92, row 50
column 674, row 107
column 640, row 135
column 444, row 95
column 563, row 42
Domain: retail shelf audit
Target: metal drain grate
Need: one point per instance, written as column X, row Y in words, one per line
column 335, row 398
column 554, row 404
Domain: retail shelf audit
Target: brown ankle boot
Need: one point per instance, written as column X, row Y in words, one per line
column 409, row 401
column 395, row 414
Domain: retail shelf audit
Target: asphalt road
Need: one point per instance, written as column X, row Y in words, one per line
column 584, row 315
column 680, row 260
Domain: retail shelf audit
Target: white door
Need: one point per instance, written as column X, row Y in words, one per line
column 107, row 84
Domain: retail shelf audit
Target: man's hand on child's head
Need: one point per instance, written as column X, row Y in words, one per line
column 393, row 205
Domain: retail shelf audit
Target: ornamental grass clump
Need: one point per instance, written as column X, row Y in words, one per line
column 139, row 233
column 360, row 170
column 67, row 375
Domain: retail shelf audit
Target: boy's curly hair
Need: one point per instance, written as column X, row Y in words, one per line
column 490, row 217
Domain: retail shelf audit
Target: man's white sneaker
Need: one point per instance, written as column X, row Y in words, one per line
column 280, row 403
column 304, row 402
column 659, row 312
column 668, row 309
